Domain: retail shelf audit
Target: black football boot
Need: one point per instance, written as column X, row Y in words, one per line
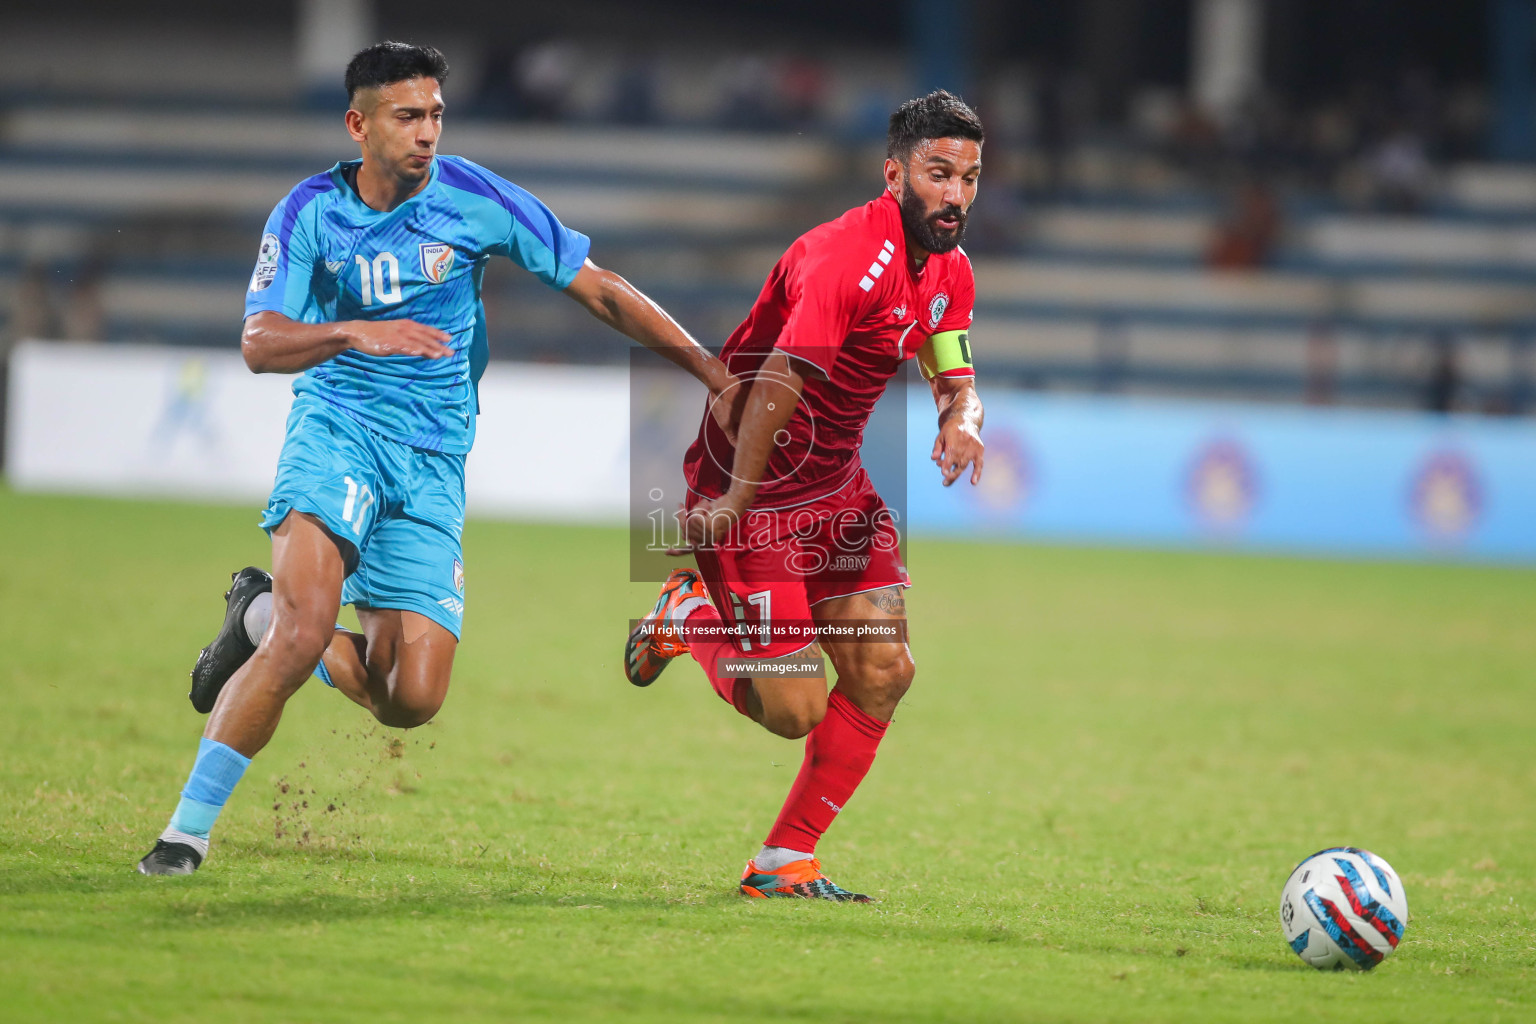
column 170, row 859
column 231, row 648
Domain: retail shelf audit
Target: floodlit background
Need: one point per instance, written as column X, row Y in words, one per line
column 1250, row 272
column 1254, row 276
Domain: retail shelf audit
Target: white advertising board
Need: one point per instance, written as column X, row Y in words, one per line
column 179, row 422
column 552, row 443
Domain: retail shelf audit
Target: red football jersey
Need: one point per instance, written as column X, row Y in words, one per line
column 845, row 298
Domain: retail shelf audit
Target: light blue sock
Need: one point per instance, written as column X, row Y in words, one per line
column 214, row 775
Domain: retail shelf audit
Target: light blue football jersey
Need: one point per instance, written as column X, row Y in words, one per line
column 326, row 256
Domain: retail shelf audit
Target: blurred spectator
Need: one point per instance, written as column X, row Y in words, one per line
column 634, row 92
column 496, row 91
column 1245, row 238
column 34, row 313
column 1402, row 178
column 1441, row 391
column 749, row 95
column 1322, row 365
column 1197, row 141
column 872, row 108
column 1055, row 124
column 545, row 74
column 803, row 91
column 1328, row 136
column 1111, row 354
column 1417, row 102
column 84, row 317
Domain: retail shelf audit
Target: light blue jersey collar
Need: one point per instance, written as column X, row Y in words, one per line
column 356, row 208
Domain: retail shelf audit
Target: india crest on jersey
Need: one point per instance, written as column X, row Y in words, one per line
column 436, row 261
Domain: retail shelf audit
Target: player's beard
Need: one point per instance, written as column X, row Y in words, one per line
column 920, row 223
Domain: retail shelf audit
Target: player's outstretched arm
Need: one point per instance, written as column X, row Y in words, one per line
column 770, row 402
column 633, row 314
column 959, row 442
column 272, row 343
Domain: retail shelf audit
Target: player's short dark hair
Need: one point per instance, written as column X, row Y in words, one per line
column 384, row 63
column 939, row 115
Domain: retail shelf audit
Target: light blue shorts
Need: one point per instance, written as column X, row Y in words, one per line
column 398, row 510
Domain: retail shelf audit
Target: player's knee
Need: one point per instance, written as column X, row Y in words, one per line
column 406, row 716
column 899, row 674
column 884, row 676
column 794, row 721
column 409, row 706
column 297, row 646
column 414, row 699
column 792, row 725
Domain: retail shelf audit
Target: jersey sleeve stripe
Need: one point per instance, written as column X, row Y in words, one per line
column 456, row 175
column 301, row 196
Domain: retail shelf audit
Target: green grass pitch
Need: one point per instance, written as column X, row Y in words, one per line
column 1085, row 811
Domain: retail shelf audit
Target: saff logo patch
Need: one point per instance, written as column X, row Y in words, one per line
column 936, row 309
column 458, row 576
column 266, row 262
column 436, row 261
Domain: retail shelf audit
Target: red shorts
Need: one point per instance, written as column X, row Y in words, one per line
column 778, row 564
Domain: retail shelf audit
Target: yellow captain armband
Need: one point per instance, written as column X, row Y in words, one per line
column 946, row 355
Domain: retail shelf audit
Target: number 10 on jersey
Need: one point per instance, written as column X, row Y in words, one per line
column 380, row 278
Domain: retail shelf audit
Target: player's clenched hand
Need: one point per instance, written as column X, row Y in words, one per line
column 709, row 522
column 958, row 446
column 398, row 338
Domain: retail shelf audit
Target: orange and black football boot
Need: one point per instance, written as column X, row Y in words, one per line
column 799, row 879
column 655, row 640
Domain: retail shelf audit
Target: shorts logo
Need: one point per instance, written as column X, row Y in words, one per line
column 266, row 262
column 899, row 313
column 454, row 605
column 458, row 576
column 436, row 261
column 936, row 309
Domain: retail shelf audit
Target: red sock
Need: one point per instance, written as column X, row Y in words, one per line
column 838, row 753
column 708, row 646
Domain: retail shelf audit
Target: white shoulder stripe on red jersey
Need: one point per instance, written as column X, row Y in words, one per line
column 878, row 267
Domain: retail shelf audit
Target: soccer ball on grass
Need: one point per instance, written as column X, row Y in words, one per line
column 1343, row 908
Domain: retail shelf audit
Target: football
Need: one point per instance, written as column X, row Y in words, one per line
column 1343, row 908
